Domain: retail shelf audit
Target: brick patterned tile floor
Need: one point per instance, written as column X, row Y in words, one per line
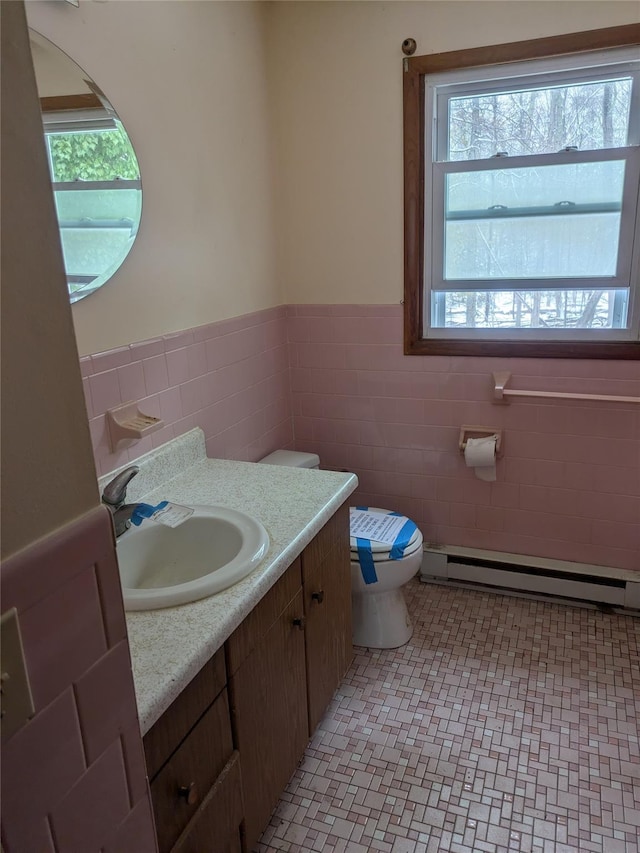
column 503, row 725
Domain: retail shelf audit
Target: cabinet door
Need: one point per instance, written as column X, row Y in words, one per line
column 215, row 828
column 269, row 711
column 326, row 574
column 179, row 788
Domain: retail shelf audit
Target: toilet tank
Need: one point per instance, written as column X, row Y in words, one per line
column 292, row 458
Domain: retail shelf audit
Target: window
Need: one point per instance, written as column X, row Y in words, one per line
column 522, row 175
column 97, row 193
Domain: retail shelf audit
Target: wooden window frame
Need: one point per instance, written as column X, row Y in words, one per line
column 415, row 70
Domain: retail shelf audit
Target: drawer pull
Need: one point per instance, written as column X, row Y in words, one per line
column 318, row 596
column 189, row 793
column 299, row 623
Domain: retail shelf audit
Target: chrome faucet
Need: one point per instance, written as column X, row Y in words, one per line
column 114, row 496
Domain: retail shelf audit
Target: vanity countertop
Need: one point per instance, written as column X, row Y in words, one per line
column 169, row 646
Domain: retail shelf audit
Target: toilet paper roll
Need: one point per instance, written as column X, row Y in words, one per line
column 480, row 454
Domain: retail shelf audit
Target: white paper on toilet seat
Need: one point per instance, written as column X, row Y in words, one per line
column 375, row 526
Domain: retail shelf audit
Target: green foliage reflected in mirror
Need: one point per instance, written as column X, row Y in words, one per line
column 96, row 155
column 94, row 170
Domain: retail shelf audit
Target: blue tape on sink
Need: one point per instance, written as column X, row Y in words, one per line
column 143, row 511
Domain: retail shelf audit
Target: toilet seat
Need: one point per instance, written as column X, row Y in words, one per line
column 381, row 551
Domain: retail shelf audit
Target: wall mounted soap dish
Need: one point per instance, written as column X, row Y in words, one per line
column 128, row 424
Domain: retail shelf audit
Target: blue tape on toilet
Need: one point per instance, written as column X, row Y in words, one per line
column 402, row 540
column 365, row 558
column 365, row 553
column 143, row 511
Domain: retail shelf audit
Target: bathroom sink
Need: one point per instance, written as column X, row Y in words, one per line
column 212, row 550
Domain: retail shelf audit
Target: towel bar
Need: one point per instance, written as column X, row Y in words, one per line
column 501, row 391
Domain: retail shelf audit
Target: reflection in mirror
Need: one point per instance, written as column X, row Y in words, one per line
column 94, row 170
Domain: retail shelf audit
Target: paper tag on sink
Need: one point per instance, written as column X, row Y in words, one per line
column 172, row 515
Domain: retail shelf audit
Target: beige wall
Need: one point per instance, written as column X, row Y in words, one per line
column 188, row 81
column 337, row 71
column 48, row 475
column 269, row 136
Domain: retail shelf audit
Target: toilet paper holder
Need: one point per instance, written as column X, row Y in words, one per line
column 479, row 432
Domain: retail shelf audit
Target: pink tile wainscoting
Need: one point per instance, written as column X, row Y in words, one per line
column 74, row 776
column 333, row 379
column 568, row 483
column 230, row 378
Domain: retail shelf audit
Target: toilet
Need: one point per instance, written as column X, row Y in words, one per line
column 378, row 570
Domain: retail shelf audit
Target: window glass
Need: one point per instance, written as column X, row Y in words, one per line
column 591, row 115
column 92, row 155
column 530, row 309
column 538, row 222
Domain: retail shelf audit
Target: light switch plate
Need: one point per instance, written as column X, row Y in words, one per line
column 16, row 701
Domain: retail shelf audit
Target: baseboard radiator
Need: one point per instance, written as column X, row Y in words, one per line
column 517, row 574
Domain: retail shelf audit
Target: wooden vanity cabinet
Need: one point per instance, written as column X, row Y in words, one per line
column 194, row 772
column 220, row 756
column 267, row 688
column 284, row 663
column 326, row 579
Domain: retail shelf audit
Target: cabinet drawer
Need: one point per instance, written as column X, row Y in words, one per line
column 165, row 736
column 194, row 766
column 251, row 631
column 215, row 827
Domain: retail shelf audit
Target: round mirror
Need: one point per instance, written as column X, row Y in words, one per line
column 94, row 170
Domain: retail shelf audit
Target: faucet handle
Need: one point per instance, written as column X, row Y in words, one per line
column 115, row 492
